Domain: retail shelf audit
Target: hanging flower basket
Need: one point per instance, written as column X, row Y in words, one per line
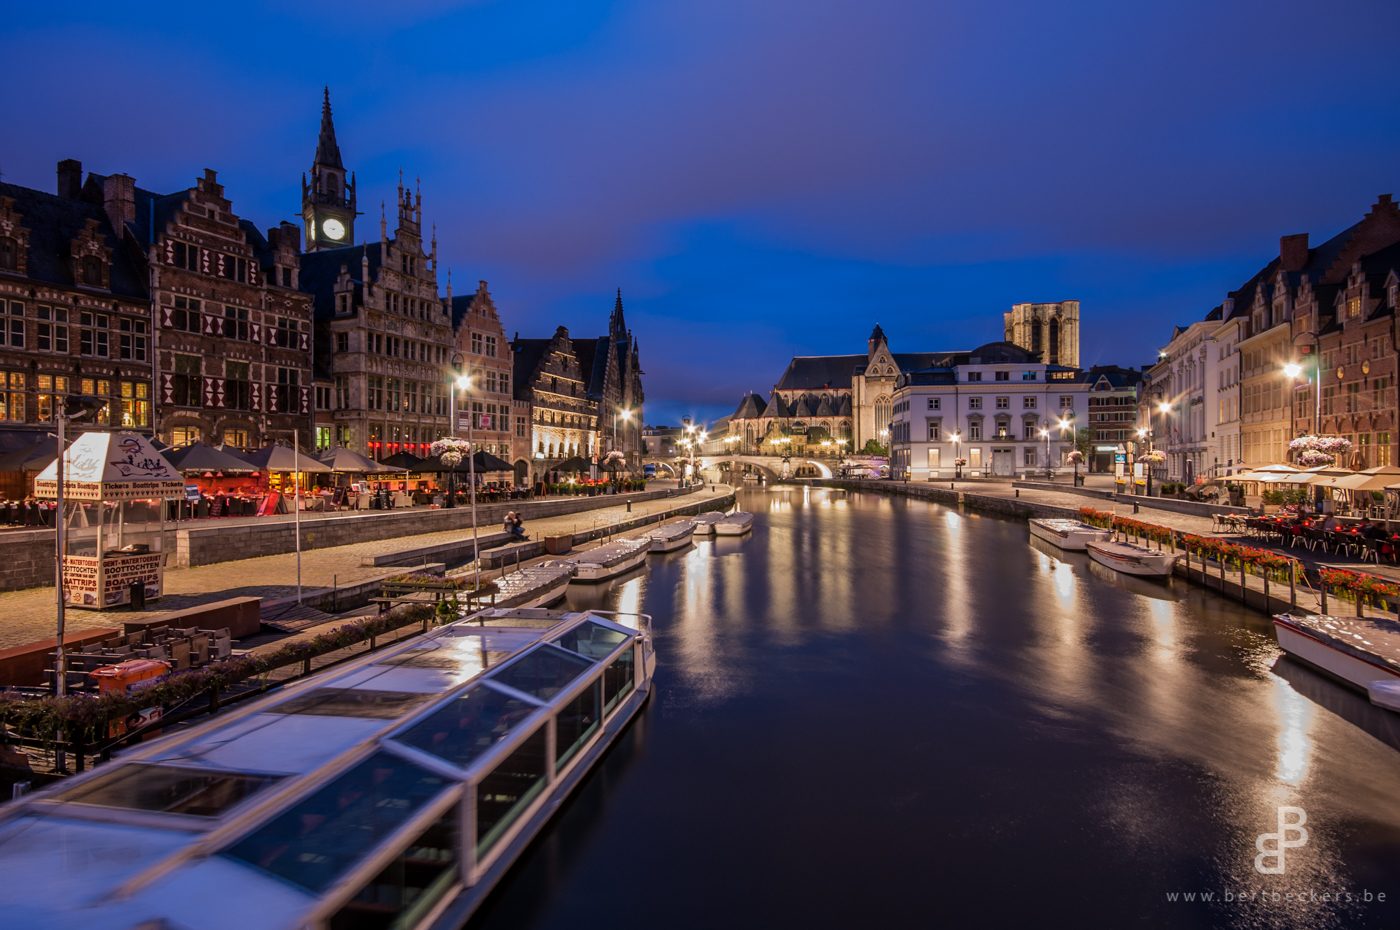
column 1153, row 458
column 1316, row 451
column 1311, row 458
column 1075, row 457
column 450, row 450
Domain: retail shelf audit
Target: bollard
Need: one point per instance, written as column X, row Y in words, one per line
column 1135, row 507
column 1018, row 492
column 629, row 505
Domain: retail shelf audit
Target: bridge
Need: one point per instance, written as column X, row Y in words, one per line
column 772, row 467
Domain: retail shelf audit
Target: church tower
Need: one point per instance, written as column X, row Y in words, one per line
column 328, row 200
column 1049, row 330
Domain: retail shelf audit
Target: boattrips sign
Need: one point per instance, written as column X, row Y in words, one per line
column 111, row 467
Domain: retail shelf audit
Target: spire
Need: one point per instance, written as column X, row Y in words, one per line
column 327, row 150
column 616, row 326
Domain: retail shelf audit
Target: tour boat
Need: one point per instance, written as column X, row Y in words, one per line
column 1360, row 651
column 610, row 559
column 671, row 536
column 705, row 523
column 734, row 524
column 394, row 789
column 1070, row 535
column 535, row 586
column 1131, row 559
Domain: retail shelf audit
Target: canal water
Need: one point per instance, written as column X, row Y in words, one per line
column 882, row 712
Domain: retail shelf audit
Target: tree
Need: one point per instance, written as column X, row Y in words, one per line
column 873, row 447
column 1084, row 442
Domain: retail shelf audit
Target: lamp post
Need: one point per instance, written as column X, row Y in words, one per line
column 1045, row 434
column 957, row 459
column 1145, row 435
column 1293, row 370
column 455, row 384
column 1064, row 424
column 76, row 409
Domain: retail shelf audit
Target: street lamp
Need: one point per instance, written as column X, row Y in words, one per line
column 76, row 409
column 1045, row 434
column 957, row 460
column 1293, row 370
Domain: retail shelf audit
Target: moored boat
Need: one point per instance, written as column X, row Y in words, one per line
column 705, row 523
column 395, row 789
column 1359, row 651
column 734, row 524
column 534, row 586
column 671, row 536
column 610, row 559
column 1131, row 559
column 1070, row 535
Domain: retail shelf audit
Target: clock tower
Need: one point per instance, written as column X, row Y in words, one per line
column 328, row 200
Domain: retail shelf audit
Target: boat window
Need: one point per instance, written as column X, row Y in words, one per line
column 543, row 672
column 468, row 727
column 478, row 652
column 508, row 789
column 618, row 680
column 410, row 886
column 169, row 788
column 577, row 721
column 352, row 702
column 591, row 639
column 312, row 843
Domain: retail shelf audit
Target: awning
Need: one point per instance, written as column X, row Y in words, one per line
column 350, row 462
column 1372, row 479
column 198, row 457
column 283, row 459
column 111, row 467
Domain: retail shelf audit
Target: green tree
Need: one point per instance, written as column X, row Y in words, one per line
column 873, row 447
column 1084, row 441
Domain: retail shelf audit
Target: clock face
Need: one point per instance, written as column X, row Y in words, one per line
column 333, row 229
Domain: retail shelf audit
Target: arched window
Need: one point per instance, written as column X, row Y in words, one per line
column 1037, row 345
column 9, row 253
column 884, row 412
column 1054, row 340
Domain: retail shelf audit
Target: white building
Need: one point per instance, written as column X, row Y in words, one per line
column 996, row 407
column 1182, row 405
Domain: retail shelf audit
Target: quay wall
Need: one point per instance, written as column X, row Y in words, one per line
column 26, row 559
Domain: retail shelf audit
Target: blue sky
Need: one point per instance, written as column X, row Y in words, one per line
column 761, row 178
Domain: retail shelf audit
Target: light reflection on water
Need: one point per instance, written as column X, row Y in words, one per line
column 876, row 706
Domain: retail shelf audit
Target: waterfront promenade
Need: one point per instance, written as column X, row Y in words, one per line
column 28, row 616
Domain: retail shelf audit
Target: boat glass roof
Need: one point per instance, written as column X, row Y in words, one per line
column 172, row 789
column 315, row 841
column 542, row 672
column 592, row 640
column 467, row 728
column 351, row 702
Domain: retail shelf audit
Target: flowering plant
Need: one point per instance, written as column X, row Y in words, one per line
column 959, row 462
column 614, row 459
column 1153, row 458
column 450, row 450
column 1075, row 457
column 1314, row 459
column 1315, row 450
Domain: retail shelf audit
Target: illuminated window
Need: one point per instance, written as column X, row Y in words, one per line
column 136, row 404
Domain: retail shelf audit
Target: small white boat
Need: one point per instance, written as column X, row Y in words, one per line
column 1131, row 559
column 1070, row 535
column 671, row 536
column 536, row 586
column 610, row 559
column 1359, row 651
column 705, row 523
column 734, row 524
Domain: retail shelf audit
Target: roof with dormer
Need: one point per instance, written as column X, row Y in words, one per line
column 53, row 222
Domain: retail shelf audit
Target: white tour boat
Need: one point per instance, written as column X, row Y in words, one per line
column 1070, row 535
column 734, row 524
column 395, row 789
column 705, row 523
column 1131, row 559
column 534, row 586
column 1359, row 651
column 671, row 536
column 610, row 559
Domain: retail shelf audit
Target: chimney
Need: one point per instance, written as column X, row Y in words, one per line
column 1293, row 252
column 70, row 178
column 119, row 200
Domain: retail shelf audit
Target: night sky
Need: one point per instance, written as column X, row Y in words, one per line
column 761, row 177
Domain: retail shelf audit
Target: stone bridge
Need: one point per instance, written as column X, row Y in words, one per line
column 771, row 466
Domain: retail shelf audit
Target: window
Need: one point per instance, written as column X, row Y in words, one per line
column 92, row 267
column 169, row 789
column 491, row 346
column 974, row 429
column 52, row 331
column 51, row 391
column 186, row 315
column 185, row 256
column 132, row 339
column 323, row 397
column 288, row 390
column 93, row 334
column 974, row 403
column 1066, row 402
column 1029, row 458
column 935, row 403
column 236, row 323
column 576, row 723
column 376, row 392
column 12, row 395
column 184, row 435
column 504, row 794
column 13, row 324
column 186, row 385
column 287, row 333
column 238, row 438
column 9, row 253
column 342, row 342
column 1027, row 376
column 477, row 343
column 935, row 430
column 1028, row 402
column 98, row 388
column 238, row 386
column 1003, row 403
column 1003, row 376
column 323, row 438
column 136, row 404
column 342, row 393
column 974, row 376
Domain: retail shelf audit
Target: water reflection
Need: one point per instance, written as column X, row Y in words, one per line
column 946, row 710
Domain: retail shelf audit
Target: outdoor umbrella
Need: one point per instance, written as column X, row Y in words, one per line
column 349, row 462
column 484, row 461
column 573, row 464
column 197, row 457
column 282, row 458
column 1372, row 479
column 479, row 462
column 406, row 461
